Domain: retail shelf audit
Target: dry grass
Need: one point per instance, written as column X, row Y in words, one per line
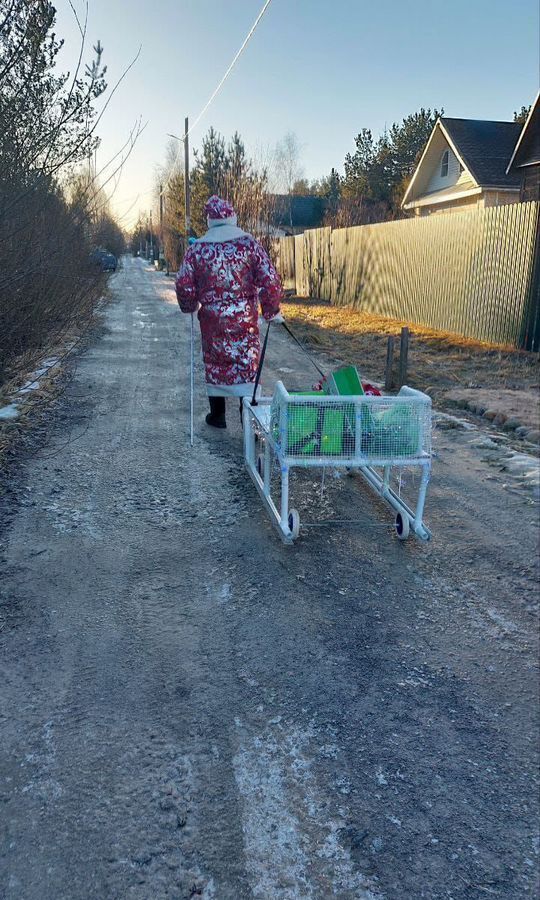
column 437, row 361
column 35, row 406
column 30, row 406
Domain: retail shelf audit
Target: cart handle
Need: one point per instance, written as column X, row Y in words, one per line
column 259, row 367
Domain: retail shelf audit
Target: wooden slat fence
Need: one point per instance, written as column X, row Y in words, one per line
column 470, row 273
column 284, row 248
column 301, row 265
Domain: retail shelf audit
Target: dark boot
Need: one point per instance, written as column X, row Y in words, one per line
column 216, row 416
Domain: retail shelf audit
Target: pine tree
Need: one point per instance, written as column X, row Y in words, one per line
column 208, row 176
column 359, row 165
column 237, row 166
column 174, row 221
column 379, row 170
column 522, row 115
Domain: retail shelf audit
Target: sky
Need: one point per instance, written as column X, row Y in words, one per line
column 323, row 70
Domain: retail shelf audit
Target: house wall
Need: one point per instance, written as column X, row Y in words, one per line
column 474, row 202
column 529, row 152
column 430, row 180
column 530, row 183
column 455, row 174
column 478, row 201
column 500, row 198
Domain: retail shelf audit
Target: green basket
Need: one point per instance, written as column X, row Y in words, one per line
column 344, row 382
column 312, row 430
column 396, row 432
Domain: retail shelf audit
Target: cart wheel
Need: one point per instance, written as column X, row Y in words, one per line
column 402, row 527
column 260, row 464
column 294, row 523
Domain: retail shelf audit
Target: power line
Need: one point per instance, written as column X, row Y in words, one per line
column 231, row 67
column 221, row 83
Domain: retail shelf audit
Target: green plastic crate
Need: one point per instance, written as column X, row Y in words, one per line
column 345, row 382
column 396, row 432
column 312, row 430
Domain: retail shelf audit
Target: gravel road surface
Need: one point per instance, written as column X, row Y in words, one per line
column 191, row 709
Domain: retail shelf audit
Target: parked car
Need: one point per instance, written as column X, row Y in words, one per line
column 109, row 263
column 105, row 260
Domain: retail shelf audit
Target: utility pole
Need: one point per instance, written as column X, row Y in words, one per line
column 187, row 191
column 151, row 240
column 187, row 203
column 161, row 244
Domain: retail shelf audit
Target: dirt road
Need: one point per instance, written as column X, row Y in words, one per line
column 191, row 709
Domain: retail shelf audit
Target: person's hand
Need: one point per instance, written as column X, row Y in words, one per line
column 277, row 319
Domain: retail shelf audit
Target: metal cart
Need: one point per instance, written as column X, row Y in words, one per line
column 374, row 435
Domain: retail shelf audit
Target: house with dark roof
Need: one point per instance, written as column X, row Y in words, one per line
column 525, row 160
column 464, row 165
column 295, row 213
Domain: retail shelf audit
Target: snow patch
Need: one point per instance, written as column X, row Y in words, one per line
column 288, row 821
column 521, row 464
column 485, row 443
column 524, row 469
column 29, row 387
column 225, row 593
column 449, row 421
column 276, row 851
column 11, row 411
column 68, row 518
column 43, row 782
column 500, row 620
column 34, row 382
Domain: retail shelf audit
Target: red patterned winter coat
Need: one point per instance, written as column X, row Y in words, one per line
column 228, row 278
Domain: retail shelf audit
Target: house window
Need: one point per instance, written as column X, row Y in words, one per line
column 444, row 164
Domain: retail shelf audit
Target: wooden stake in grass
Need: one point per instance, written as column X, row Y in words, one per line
column 389, row 363
column 403, row 356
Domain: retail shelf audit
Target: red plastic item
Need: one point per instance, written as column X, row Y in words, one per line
column 370, row 390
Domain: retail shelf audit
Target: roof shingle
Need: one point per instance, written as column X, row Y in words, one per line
column 486, row 148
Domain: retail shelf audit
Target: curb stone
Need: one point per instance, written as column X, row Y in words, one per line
column 533, row 436
column 511, row 425
column 525, row 432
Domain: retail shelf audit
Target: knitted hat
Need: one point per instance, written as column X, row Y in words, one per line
column 217, row 209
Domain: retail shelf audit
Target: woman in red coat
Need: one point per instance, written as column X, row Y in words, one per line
column 224, row 276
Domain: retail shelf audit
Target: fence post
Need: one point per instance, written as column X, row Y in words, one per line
column 403, row 356
column 530, row 340
column 389, row 363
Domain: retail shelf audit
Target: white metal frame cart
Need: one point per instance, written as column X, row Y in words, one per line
column 374, row 435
